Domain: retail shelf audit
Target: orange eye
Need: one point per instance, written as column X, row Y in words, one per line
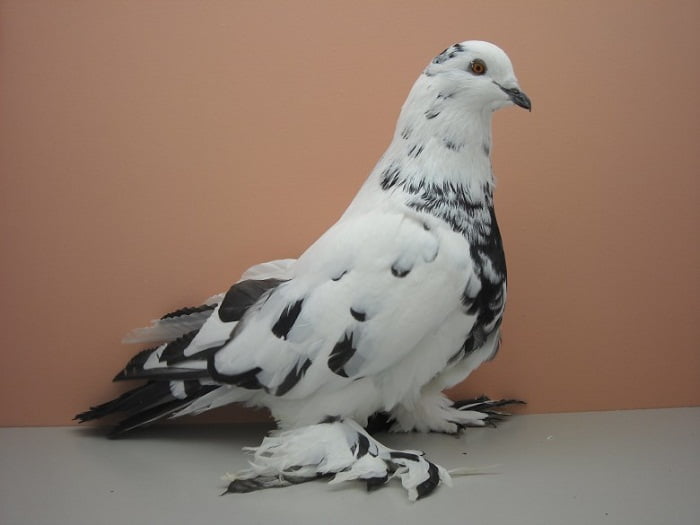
column 477, row 66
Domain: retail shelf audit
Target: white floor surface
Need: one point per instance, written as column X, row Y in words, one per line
column 628, row 467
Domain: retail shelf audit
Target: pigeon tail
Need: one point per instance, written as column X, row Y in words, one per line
column 148, row 403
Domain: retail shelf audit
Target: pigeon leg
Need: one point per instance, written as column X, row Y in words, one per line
column 341, row 449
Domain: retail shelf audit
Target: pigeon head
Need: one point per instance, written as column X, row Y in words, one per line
column 443, row 132
column 478, row 74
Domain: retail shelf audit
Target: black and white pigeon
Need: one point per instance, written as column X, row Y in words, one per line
column 400, row 299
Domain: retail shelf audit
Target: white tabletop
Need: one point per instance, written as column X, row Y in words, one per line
column 636, row 467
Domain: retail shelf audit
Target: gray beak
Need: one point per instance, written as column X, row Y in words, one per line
column 519, row 98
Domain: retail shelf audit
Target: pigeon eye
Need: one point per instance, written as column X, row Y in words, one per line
column 477, row 66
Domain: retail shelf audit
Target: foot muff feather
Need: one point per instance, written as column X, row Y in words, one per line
column 341, row 449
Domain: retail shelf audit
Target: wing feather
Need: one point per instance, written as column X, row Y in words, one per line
column 361, row 298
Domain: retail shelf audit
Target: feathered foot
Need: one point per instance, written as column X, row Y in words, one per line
column 341, row 449
column 437, row 413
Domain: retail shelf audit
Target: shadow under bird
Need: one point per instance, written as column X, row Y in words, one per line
column 400, row 299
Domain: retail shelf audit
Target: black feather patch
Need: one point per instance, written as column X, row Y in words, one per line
column 453, row 146
column 489, row 407
column 339, row 276
column 292, row 378
column 137, row 399
column 360, row 316
column 391, row 176
column 145, row 404
column 175, row 350
column 162, row 408
column 240, row 486
column 397, row 454
column 376, row 482
column 134, row 369
column 192, row 388
column 362, row 446
column 429, row 484
column 448, row 53
column 399, row 271
column 135, row 364
column 244, row 486
column 341, row 354
column 147, row 416
column 162, row 374
column 458, row 355
column 242, row 296
column 287, row 319
column 247, row 379
column 379, row 422
column 189, row 310
column 415, row 150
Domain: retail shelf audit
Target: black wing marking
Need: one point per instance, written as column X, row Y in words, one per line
column 242, row 296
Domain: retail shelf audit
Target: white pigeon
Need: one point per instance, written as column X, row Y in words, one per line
column 400, row 299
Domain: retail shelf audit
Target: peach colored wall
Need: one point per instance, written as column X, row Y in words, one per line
column 151, row 151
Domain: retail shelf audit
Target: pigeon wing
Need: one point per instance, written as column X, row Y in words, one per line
column 360, row 300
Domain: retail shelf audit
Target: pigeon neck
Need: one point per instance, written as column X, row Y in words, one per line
column 440, row 141
column 441, row 150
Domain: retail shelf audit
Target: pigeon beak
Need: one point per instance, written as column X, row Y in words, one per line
column 519, row 98
column 516, row 96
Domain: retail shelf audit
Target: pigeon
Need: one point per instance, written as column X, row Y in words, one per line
column 400, row 299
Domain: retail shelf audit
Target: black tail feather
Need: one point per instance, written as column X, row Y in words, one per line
column 382, row 421
column 145, row 404
column 169, row 364
column 487, row 406
column 156, row 412
column 174, row 351
column 162, row 374
column 134, row 400
column 189, row 310
column 134, row 369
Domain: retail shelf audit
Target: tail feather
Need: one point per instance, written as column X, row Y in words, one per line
column 164, row 374
column 147, row 403
column 139, row 398
column 146, row 416
column 168, row 328
column 176, row 369
column 148, row 364
column 177, row 323
column 174, row 324
column 159, row 411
